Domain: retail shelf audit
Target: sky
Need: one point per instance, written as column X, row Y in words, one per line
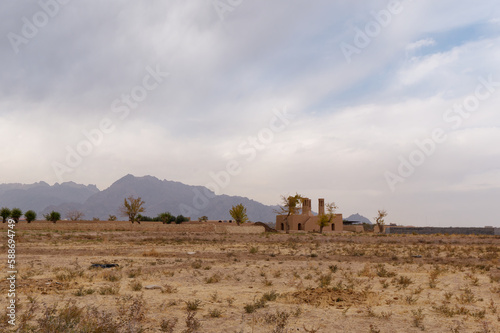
column 371, row 104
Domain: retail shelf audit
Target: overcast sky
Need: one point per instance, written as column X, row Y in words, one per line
column 372, row 104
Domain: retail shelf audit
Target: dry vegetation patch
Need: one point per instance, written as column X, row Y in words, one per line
column 324, row 297
column 155, row 280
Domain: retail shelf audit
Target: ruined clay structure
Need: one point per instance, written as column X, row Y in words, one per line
column 307, row 221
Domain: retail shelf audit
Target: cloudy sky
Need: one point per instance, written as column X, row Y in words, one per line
column 371, row 104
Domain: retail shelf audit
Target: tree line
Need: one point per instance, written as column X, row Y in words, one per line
column 29, row 215
column 133, row 207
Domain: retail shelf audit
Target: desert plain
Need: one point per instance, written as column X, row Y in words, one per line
column 165, row 279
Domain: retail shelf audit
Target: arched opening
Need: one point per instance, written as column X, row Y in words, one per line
column 220, row 221
column 333, row 226
column 299, row 226
column 282, row 226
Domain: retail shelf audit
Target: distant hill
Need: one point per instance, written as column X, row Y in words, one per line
column 39, row 195
column 159, row 196
column 358, row 218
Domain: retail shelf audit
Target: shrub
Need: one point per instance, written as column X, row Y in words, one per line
column 109, row 290
column 270, row 296
column 197, row 264
column 418, row 318
column 16, row 213
column 324, row 280
column 192, row 324
column 169, row 289
column 53, row 216
column 133, row 273
column 404, row 281
column 168, row 325
column 136, row 285
column 111, row 276
column 193, row 305
column 213, row 279
column 333, row 268
column 5, row 214
column 383, row 272
column 30, row 216
column 250, row 308
column 215, row 313
column 72, row 318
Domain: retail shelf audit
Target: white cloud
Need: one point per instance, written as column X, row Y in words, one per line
column 495, row 20
column 421, row 67
column 352, row 120
column 420, row 44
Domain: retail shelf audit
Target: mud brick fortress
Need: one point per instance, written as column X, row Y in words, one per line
column 307, row 221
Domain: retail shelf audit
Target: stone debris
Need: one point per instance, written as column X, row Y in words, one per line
column 153, row 286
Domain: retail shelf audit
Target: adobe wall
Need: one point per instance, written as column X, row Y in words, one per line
column 213, row 228
column 308, row 223
column 242, row 229
column 354, row 228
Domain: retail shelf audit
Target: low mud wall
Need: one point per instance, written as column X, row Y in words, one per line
column 437, row 230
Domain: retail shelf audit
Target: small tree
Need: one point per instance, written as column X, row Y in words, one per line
column 290, row 205
column 326, row 219
column 53, row 216
column 111, row 218
column 180, row 218
column 74, row 215
column 204, row 218
column 16, row 213
column 30, row 216
column 5, row 214
column 131, row 208
column 379, row 220
column 239, row 214
column 166, row 218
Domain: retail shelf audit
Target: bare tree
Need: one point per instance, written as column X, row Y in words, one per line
column 74, row 215
column 326, row 219
column 379, row 220
column 290, row 205
column 131, row 208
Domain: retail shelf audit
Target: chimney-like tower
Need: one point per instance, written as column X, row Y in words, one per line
column 321, row 206
column 306, row 206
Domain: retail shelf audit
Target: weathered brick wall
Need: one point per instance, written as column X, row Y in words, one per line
column 354, row 228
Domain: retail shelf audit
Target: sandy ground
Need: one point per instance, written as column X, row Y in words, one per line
column 251, row 283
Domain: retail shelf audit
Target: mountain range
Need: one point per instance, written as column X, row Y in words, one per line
column 159, row 196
